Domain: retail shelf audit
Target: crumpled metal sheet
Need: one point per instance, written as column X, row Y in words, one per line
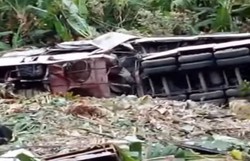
column 111, row 40
column 73, row 50
column 71, row 46
column 96, row 83
column 85, row 77
column 100, row 44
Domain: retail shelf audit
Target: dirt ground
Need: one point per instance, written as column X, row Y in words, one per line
column 50, row 124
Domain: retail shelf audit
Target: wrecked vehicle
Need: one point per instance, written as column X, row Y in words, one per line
column 200, row 68
column 85, row 67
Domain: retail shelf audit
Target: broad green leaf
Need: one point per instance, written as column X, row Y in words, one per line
column 38, row 11
column 5, row 33
column 182, row 4
column 82, row 7
column 135, row 147
column 159, row 150
column 205, row 22
column 125, row 156
column 4, row 46
column 136, row 150
column 242, row 11
column 23, row 157
column 17, row 40
column 78, row 24
column 38, row 33
column 223, row 18
column 70, row 6
column 229, row 139
column 62, row 31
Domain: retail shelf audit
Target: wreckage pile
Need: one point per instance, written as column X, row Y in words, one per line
column 208, row 68
column 49, row 125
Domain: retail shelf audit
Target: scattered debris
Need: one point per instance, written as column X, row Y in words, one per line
column 241, row 108
column 44, row 127
column 14, row 108
column 85, row 109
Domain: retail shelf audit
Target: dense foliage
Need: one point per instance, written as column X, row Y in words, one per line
column 32, row 22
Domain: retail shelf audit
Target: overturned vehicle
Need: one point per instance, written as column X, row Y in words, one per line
column 201, row 68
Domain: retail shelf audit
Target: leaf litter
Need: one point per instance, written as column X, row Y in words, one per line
column 49, row 125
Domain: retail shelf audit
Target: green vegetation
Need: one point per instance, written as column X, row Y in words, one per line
column 43, row 22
